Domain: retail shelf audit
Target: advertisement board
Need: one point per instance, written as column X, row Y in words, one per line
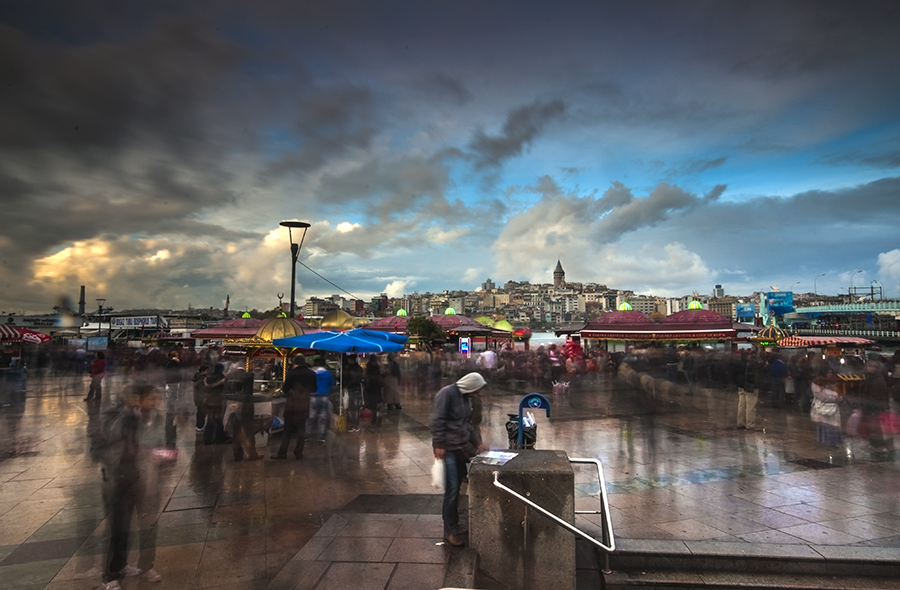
column 745, row 310
column 779, row 302
column 97, row 343
column 134, row 322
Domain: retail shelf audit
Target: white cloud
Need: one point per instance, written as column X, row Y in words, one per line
column 889, row 271
column 397, row 288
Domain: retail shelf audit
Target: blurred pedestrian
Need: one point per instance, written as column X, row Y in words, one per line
column 133, row 450
column 200, row 396
column 319, row 412
column 214, row 385
column 299, row 384
column 392, row 378
column 173, row 376
column 824, row 410
column 97, row 371
column 744, row 375
column 373, row 388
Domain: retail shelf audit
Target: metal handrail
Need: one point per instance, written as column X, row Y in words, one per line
column 607, row 529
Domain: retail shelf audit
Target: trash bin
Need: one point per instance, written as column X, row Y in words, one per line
column 529, row 435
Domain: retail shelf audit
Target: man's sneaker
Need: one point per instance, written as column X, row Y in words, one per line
column 114, row 585
column 456, row 540
column 153, row 576
column 321, row 440
column 129, row 571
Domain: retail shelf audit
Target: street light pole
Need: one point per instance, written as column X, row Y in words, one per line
column 851, row 280
column 815, row 290
column 100, row 303
column 295, row 253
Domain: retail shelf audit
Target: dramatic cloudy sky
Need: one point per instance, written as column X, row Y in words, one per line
column 149, row 150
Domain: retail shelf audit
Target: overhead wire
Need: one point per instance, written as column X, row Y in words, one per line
column 326, row 280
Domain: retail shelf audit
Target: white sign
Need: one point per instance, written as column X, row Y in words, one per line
column 135, row 322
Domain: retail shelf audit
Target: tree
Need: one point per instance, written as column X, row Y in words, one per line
column 424, row 328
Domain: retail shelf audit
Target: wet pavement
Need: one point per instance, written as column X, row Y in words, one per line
column 359, row 511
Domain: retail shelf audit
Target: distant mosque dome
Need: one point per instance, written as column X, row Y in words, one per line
column 625, row 306
column 401, row 312
column 337, row 319
column 449, row 311
column 695, row 305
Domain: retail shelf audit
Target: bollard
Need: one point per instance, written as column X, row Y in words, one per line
column 516, row 545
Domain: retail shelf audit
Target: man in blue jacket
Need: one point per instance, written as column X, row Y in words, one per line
column 455, row 440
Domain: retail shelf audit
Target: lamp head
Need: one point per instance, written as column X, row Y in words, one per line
column 293, row 223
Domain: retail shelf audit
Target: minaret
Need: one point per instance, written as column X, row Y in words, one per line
column 559, row 276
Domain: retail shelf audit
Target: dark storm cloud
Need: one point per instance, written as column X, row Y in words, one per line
column 113, row 134
column 699, row 166
column 322, row 126
column 888, row 159
column 106, row 95
column 384, row 189
column 522, row 126
column 811, row 37
column 443, row 87
column 630, row 214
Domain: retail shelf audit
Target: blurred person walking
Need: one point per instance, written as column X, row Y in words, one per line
column 392, row 379
column 133, row 451
column 214, row 385
column 97, row 372
column 352, row 378
column 744, row 375
column 200, row 396
column 373, row 387
column 824, row 410
column 299, row 384
column 319, row 412
column 172, row 375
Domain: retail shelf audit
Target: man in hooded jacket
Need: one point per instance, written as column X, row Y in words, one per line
column 455, row 440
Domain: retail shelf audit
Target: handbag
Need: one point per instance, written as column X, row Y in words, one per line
column 437, row 474
column 853, row 422
column 824, row 408
column 340, row 423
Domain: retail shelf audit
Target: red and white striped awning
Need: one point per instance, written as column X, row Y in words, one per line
column 9, row 334
column 819, row 341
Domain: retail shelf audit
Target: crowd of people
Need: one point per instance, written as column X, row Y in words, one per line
column 161, row 391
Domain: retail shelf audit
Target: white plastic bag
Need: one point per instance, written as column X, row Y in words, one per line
column 437, row 474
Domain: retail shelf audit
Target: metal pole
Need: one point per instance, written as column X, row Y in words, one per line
column 815, row 289
column 295, row 251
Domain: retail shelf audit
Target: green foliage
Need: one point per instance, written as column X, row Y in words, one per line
column 424, row 328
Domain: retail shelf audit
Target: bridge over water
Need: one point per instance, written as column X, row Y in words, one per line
column 890, row 307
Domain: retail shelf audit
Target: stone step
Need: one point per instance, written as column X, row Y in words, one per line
column 731, row 581
column 706, row 564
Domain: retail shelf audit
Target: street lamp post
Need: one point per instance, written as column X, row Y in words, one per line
column 873, row 288
column 851, row 280
column 295, row 252
column 100, row 303
column 815, row 290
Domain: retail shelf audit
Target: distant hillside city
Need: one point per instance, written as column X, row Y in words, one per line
column 519, row 302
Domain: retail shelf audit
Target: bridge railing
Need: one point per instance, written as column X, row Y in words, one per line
column 880, row 335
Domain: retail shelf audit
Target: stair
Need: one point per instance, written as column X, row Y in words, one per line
column 677, row 565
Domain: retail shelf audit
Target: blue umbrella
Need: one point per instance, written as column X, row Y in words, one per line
column 342, row 342
column 376, row 335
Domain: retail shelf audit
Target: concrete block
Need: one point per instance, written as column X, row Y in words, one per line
column 497, row 521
